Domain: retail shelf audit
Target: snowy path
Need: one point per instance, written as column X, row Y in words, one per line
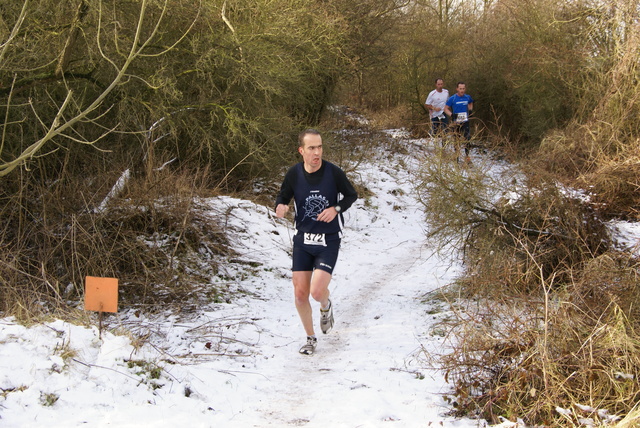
column 237, row 364
column 365, row 372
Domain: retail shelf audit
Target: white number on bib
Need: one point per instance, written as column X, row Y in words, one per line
column 462, row 117
column 314, row 239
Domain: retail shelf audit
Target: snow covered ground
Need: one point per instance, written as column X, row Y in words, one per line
column 237, row 364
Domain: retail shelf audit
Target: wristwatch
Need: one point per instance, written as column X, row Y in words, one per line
column 338, row 208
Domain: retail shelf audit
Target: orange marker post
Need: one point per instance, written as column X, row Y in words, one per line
column 101, row 295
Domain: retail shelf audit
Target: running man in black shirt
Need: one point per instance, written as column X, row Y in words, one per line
column 321, row 193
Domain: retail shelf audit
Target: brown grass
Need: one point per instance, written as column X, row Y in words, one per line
column 546, row 313
column 147, row 237
column 525, row 355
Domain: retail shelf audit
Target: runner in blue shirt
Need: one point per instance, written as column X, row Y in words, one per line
column 459, row 107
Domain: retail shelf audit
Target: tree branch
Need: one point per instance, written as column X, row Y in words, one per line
column 14, row 31
column 58, row 127
column 63, row 63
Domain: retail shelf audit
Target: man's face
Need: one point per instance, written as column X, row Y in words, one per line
column 439, row 85
column 461, row 89
column 311, row 152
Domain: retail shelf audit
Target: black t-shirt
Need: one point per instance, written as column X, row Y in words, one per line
column 344, row 186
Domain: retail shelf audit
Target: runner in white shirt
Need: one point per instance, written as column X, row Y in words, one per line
column 435, row 103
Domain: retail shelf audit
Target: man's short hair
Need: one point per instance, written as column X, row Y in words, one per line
column 460, row 83
column 305, row 133
column 439, row 78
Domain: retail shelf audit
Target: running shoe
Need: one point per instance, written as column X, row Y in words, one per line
column 326, row 318
column 309, row 347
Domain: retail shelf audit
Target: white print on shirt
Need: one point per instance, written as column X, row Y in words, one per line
column 314, row 205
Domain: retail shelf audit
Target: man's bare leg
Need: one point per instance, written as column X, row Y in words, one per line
column 314, row 284
column 301, row 291
column 320, row 287
column 320, row 292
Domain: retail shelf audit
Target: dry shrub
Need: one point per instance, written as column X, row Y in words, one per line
column 513, row 228
column 564, row 156
column 632, row 419
column 610, row 279
column 164, row 242
column 598, row 149
column 593, row 343
column 393, row 117
column 542, row 235
column 152, row 237
column 493, row 368
column 609, row 172
column 455, row 200
column 547, row 320
column 615, row 184
column 530, row 356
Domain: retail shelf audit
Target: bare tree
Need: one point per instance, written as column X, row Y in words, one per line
column 62, row 124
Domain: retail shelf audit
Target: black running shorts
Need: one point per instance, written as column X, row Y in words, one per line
column 323, row 255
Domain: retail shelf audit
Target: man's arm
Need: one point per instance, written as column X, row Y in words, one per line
column 429, row 102
column 447, row 110
column 349, row 196
column 349, row 193
column 285, row 194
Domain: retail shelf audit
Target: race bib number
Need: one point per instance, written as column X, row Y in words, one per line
column 314, row 239
column 462, row 117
